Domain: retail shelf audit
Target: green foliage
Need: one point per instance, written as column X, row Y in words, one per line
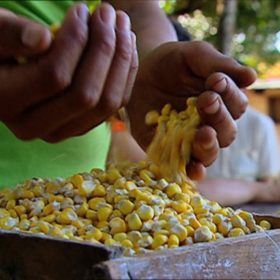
column 257, row 24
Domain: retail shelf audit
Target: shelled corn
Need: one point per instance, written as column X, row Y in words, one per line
column 173, row 138
column 131, row 205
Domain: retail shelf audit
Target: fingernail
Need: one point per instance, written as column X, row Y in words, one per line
column 32, row 36
column 106, row 13
column 220, row 86
column 123, row 22
column 212, row 108
column 83, row 13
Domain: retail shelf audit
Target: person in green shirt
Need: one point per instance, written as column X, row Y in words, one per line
column 72, row 83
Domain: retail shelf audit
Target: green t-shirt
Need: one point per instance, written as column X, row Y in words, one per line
column 23, row 160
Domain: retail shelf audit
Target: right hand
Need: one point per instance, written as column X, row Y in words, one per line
column 68, row 85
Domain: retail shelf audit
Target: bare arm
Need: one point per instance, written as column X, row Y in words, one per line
column 234, row 191
column 149, row 22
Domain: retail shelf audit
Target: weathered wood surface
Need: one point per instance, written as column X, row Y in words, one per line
column 30, row 257
column 255, row 256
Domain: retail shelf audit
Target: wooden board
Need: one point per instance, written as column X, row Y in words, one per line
column 254, row 256
column 32, row 257
column 26, row 257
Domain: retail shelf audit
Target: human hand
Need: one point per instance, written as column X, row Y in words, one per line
column 84, row 76
column 178, row 70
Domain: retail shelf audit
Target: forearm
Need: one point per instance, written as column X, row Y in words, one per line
column 229, row 192
column 150, row 24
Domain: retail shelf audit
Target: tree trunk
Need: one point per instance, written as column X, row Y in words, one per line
column 227, row 26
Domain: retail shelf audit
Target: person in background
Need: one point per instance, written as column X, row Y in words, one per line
column 59, row 99
column 249, row 169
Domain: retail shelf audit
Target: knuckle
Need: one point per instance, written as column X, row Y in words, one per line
column 107, row 44
column 112, row 104
column 86, row 98
column 124, row 48
column 79, row 34
column 58, row 78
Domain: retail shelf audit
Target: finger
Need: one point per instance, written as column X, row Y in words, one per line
column 205, row 146
column 234, row 98
column 132, row 72
column 213, row 61
column 20, row 36
column 114, row 88
column 39, row 80
column 116, row 82
column 86, row 89
column 195, row 170
column 214, row 113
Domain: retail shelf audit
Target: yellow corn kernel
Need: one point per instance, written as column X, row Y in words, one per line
column 38, row 191
column 126, row 206
column 265, row 225
column 116, row 213
column 146, row 176
column 49, row 209
column 236, row 232
column 77, row 180
column 8, row 223
column 24, row 224
column 143, row 196
column 82, row 210
column 13, row 213
column 190, row 230
column 134, row 236
column 173, row 189
column 180, row 231
column 91, row 215
column 151, row 118
column 120, row 236
column 99, row 190
column 180, row 206
column 110, row 242
column 11, row 204
column 67, row 216
column 159, row 240
column 105, row 236
column 44, row 227
column 112, row 175
column 134, row 222
column 58, row 198
column 20, row 209
column 249, row 219
column 237, row 221
column 197, row 202
column 94, row 203
column 224, row 228
column 194, row 223
column 126, row 243
column 145, row 212
column 104, row 213
column 4, row 213
column 183, row 196
column 218, row 218
column 203, row 234
column 173, row 241
column 117, row 225
column 95, row 233
column 130, row 185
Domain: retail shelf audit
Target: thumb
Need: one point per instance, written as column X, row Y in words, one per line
column 21, row 37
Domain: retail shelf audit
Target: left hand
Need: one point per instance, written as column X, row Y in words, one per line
column 177, row 70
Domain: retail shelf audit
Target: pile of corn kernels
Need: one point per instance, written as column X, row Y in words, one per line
column 129, row 206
